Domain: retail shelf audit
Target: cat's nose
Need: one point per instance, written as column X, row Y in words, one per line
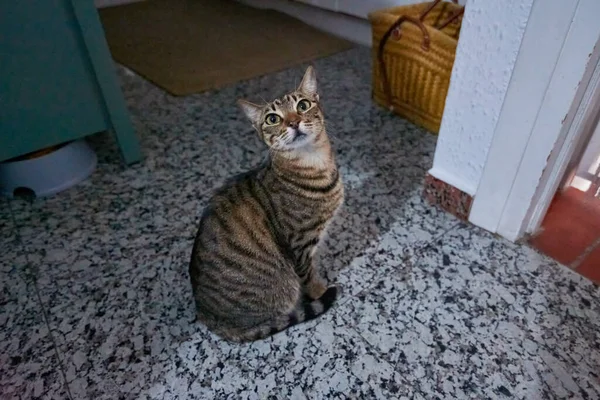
column 293, row 121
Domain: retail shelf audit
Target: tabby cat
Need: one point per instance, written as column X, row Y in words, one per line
column 252, row 269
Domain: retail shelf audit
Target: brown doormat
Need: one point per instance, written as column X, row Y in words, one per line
column 187, row 46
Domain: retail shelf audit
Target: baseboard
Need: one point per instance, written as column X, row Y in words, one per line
column 456, row 181
column 358, row 8
column 354, row 29
column 111, row 3
column 447, row 197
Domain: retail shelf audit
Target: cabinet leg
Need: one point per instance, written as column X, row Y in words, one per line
column 92, row 34
column 129, row 145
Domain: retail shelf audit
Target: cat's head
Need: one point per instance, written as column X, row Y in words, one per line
column 292, row 121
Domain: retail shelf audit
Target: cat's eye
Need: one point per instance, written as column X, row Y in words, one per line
column 272, row 119
column 303, row 106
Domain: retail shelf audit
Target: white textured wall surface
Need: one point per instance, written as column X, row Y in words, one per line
column 351, row 28
column 490, row 39
column 343, row 18
column 357, row 8
column 360, row 8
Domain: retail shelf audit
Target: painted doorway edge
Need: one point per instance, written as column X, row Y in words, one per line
column 570, row 145
column 533, row 72
column 526, row 135
column 553, row 126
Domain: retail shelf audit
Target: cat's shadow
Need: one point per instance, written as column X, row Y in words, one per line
column 384, row 176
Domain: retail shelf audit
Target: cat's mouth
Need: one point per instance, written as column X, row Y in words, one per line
column 299, row 136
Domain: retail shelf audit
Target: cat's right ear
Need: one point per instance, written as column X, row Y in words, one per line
column 252, row 111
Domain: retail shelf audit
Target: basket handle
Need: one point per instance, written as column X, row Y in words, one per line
column 431, row 7
column 451, row 18
column 424, row 44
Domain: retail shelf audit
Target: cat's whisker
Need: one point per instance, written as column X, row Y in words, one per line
column 330, row 132
column 264, row 101
column 328, row 125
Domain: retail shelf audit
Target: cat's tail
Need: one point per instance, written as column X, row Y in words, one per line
column 306, row 310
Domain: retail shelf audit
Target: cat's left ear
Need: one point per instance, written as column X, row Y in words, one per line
column 252, row 111
column 309, row 82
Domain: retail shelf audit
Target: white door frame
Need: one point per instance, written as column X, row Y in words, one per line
column 571, row 145
column 539, row 124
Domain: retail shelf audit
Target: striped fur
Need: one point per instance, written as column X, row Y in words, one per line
column 252, row 269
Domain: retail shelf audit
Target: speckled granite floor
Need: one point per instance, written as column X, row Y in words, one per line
column 95, row 302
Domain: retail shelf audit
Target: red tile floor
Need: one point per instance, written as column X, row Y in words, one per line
column 571, row 232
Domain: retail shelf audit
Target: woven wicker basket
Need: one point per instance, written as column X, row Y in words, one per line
column 413, row 52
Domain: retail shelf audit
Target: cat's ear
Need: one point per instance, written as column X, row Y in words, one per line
column 252, row 111
column 309, row 82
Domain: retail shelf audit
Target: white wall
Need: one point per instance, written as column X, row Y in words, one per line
column 349, row 27
column 491, row 35
column 548, row 101
column 360, row 8
column 344, row 18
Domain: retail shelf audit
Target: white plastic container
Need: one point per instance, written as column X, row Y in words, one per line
column 51, row 173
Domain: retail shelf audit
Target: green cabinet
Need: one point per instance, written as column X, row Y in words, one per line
column 57, row 78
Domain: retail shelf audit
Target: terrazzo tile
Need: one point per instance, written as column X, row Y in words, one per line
column 319, row 360
column 29, row 367
column 7, row 227
column 103, row 232
column 325, row 360
column 8, row 235
column 478, row 317
column 397, row 223
column 114, row 329
column 131, row 337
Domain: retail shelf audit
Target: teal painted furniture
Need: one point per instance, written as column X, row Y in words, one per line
column 57, row 78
